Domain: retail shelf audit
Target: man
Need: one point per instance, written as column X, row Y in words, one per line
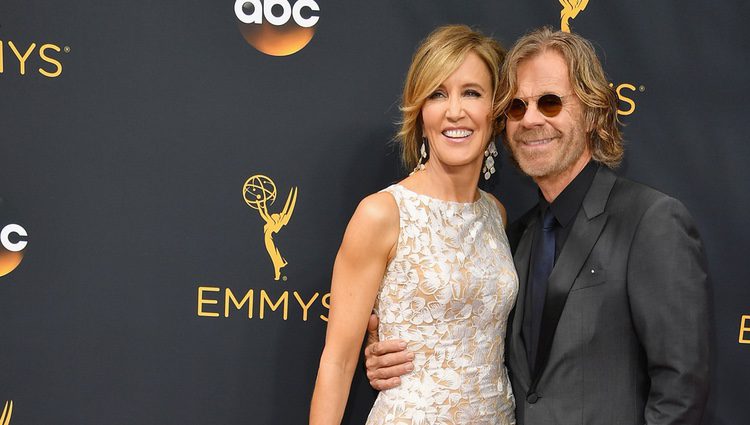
column 611, row 321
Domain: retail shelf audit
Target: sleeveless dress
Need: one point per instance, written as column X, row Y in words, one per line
column 448, row 292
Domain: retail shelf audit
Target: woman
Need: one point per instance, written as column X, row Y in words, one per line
column 430, row 254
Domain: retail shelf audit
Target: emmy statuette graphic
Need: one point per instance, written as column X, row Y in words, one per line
column 7, row 413
column 259, row 193
column 571, row 9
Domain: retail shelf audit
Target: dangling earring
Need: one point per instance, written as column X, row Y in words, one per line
column 422, row 157
column 489, row 162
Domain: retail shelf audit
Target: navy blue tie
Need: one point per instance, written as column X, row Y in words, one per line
column 542, row 262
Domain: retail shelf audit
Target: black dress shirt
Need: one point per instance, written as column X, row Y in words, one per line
column 568, row 202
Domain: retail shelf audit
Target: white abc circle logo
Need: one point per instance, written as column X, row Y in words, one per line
column 265, row 10
column 11, row 253
column 5, row 237
column 277, row 27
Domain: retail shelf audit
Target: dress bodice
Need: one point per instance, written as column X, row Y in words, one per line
column 447, row 292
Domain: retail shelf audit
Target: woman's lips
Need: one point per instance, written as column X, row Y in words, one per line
column 457, row 134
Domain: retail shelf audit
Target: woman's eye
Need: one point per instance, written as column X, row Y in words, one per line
column 472, row 93
column 436, row 95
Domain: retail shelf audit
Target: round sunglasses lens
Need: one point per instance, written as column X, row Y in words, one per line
column 516, row 110
column 550, row 105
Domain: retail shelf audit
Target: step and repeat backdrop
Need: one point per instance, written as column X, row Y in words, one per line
column 176, row 176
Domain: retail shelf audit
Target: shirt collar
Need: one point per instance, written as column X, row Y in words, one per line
column 567, row 204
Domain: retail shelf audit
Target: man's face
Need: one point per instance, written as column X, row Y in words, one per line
column 548, row 147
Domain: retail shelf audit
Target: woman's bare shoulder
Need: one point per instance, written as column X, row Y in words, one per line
column 379, row 208
column 374, row 227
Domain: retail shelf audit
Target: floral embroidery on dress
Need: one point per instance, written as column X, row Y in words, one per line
column 448, row 292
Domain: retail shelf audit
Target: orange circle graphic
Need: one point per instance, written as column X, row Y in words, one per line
column 273, row 40
column 9, row 261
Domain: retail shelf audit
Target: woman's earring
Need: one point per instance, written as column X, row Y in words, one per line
column 422, row 156
column 489, row 162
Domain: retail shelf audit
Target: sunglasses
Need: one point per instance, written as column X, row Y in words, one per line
column 548, row 104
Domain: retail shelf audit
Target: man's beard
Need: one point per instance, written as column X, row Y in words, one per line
column 569, row 149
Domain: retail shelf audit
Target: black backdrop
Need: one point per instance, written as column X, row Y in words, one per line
column 128, row 137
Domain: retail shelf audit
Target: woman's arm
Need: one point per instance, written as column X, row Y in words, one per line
column 369, row 242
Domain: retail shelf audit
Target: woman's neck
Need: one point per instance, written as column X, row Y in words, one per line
column 457, row 184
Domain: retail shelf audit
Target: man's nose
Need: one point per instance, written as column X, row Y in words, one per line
column 533, row 116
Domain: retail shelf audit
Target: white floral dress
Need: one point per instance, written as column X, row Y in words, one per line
column 448, row 292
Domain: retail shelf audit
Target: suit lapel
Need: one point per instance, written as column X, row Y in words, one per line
column 587, row 227
column 521, row 259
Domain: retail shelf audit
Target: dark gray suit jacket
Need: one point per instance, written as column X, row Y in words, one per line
column 625, row 333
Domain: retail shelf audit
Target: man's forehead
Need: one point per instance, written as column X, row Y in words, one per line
column 545, row 72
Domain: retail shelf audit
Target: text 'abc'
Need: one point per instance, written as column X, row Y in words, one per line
column 265, row 9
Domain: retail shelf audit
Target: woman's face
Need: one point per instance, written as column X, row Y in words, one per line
column 457, row 116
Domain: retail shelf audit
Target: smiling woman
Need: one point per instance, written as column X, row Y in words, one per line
column 431, row 67
column 457, row 116
column 429, row 255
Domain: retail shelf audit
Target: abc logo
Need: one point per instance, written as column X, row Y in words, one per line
column 277, row 27
column 12, row 244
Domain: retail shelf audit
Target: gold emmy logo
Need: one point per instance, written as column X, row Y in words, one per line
column 745, row 329
column 7, row 412
column 259, row 193
column 571, row 9
column 24, row 57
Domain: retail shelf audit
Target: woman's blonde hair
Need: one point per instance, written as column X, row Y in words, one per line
column 588, row 81
column 439, row 55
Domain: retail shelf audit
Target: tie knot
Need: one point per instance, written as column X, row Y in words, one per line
column 549, row 221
